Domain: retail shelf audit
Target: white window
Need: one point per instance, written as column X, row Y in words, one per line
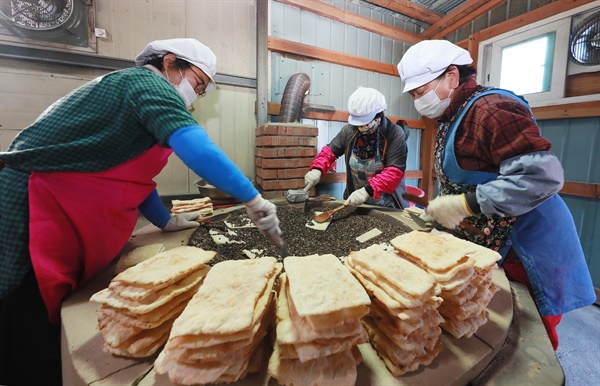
column 532, row 60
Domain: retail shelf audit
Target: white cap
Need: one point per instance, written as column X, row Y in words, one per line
column 427, row 60
column 190, row 50
column 364, row 104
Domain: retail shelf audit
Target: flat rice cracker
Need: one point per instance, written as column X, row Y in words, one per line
column 223, row 352
column 395, row 300
column 164, row 268
column 399, row 274
column 194, row 366
column 187, row 286
column 464, row 328
column 291, row 328
column 138, row 255
column 203, row 371
column 148, row 295
column 143, row 344
column 323, row 291
column 485, row 258
column 333, row 370
column 462, row 296
column 437, row 253
column 399, row 361
column 470, row 308
column 127, row 320
column 227, row 301
column 420, row 324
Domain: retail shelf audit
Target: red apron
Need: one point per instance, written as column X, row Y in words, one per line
column 80, row 221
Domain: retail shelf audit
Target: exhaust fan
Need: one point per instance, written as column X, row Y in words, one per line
column 585, row 41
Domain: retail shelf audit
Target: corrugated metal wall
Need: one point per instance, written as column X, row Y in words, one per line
column 576, row 142
column 332, row 84
column 228, row 27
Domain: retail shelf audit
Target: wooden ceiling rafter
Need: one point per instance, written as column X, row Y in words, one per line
column 334, row 13
column 461, row 16
column 409, row 9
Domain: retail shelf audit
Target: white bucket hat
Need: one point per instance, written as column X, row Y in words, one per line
column 190, row 50
column 427, row 60
column 364, row 104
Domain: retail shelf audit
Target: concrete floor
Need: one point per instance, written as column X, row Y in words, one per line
column 579, row 346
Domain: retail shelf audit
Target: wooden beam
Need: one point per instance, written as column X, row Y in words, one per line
column 536, row 15
column 332, row 178
column 569, row 110
column 461, row 16
column 410, row 9
column 338, row 14
column 426, row 157
column 581, row 189
column 325, row 55
column 342, row 116
column 582, row 84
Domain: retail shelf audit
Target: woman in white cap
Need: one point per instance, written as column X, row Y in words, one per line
column 496, row 171
column 375, row 150
column 72, row 183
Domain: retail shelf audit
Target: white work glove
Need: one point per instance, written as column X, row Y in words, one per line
column 447, row 210
column 181, row 221
column 311, row 179
column 263, row 215
column 358, row 197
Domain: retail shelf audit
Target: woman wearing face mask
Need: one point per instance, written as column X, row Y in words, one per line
column 496, row 171
column 375, row 150
column 72, row 183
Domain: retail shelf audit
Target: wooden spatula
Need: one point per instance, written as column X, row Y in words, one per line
column 327, row 215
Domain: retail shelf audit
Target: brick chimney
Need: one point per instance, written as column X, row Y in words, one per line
column 284, row 152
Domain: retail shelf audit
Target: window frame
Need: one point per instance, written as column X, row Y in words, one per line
column 524, row 33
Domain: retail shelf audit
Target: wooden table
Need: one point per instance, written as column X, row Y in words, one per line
column 512, row 347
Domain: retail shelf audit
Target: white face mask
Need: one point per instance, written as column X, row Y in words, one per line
column 185, row 90
column 430, row 105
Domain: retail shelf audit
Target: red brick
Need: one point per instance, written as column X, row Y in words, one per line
column 280, row 184
column 305, row 131
column 285, row 152
column 283, row 163
column 269, row 194
column 285, row 141
column 267, row 174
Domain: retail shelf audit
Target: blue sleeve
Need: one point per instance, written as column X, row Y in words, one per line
column 153, row 209
column 204, row 157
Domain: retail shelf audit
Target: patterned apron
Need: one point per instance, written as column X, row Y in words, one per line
column 545, row 238
column 80, row 221
column 363, row 170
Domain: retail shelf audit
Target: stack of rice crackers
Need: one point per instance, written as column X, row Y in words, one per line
column 202, row 205
column 141, row 303
column 218, row 337
column 319, row 308
column 464, row 271
column 403, row 324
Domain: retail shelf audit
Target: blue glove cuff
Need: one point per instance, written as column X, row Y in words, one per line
column 203, row 156
column 153, row 209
